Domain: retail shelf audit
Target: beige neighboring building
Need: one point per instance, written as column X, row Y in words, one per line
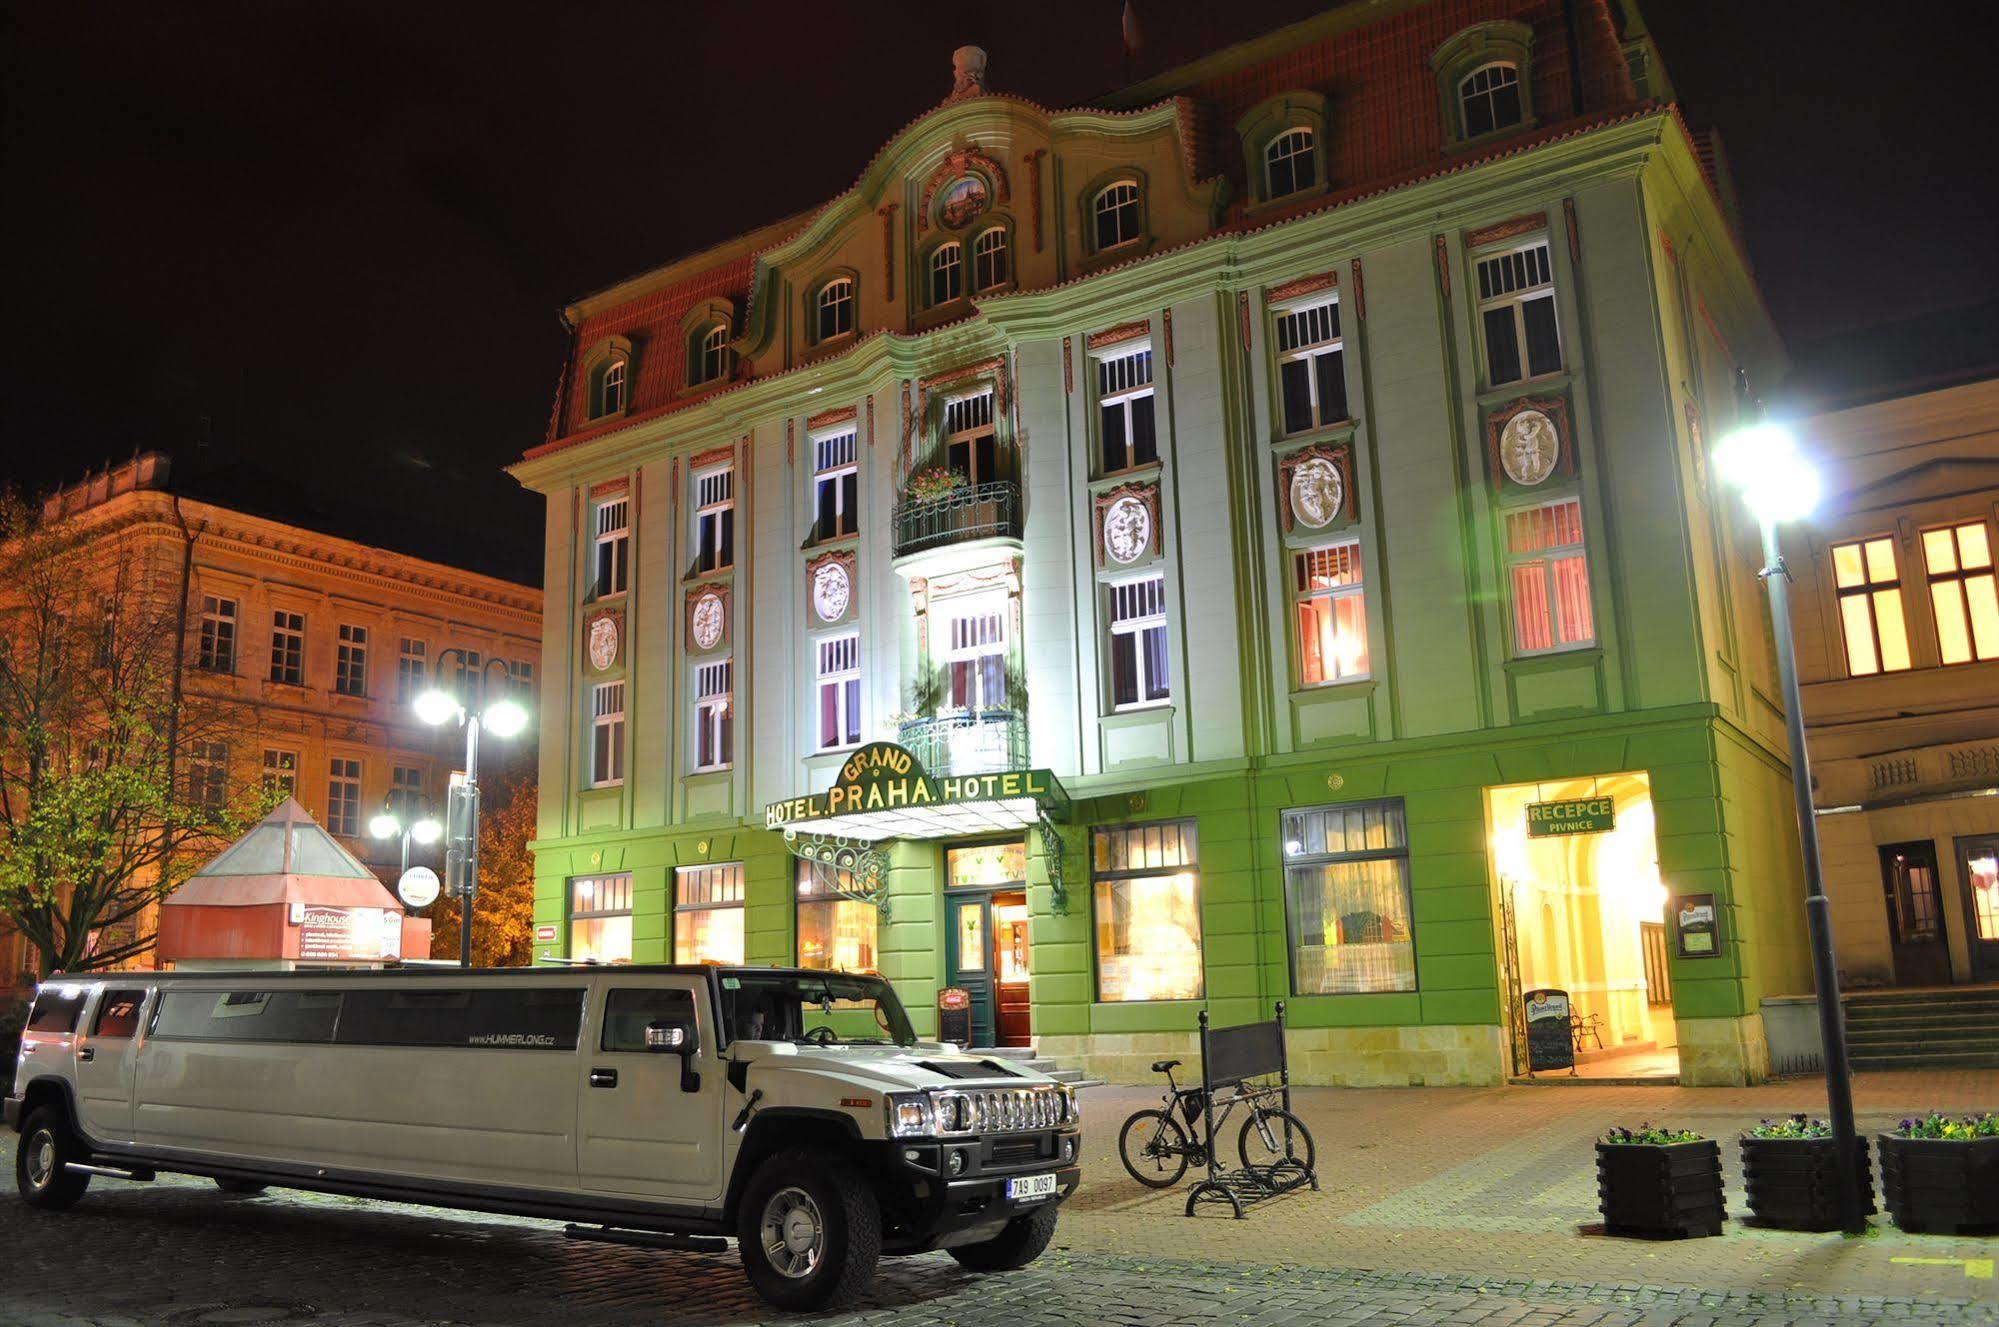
column 1898, row 649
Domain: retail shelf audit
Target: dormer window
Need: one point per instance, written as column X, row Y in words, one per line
column 608, row 387
column 989, row 260
column 710, row 361
column 1116, row 211
column 1489, row 99
column 947, row 273
column 834, row 309
column 1291, row 163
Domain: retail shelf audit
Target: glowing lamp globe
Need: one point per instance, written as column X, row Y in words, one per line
column 383, row 826
column 426, row 830
column 436, row 706
column 1775, row 479
column 504, row 718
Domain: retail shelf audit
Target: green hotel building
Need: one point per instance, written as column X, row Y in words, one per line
column 1244, row 540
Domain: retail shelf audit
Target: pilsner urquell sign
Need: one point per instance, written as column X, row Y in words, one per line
column 882, row 776
column 1576, row 815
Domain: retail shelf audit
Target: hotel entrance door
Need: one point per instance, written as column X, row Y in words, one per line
column 985, row 946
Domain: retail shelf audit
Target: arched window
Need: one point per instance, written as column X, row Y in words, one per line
column 1116, row 210
column 989, row 264
column 835, row 307
column 1489, row 99
column 1291, row 162
column 947, row 273
column 609, row 396
column 711, row 356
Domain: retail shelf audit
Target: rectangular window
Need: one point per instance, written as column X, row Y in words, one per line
column 412, row 669
column 708, row 914
column 118, row 1015
column 1870, row 606
column 1311, row 366
column 406, row 789
column 840, row 691
column 288, row 647
column 607, row 734
column 343, row 797
column 1959, row 560
column 521, row 1018
column 1147, row 889
column 253, row 1015
column 1125, row 410
column 1139, row 671
column 1549, row 577
column 217, row 650
column 1346, row 899
column 520, row 678
column 600, row 918
column 630, row 1011
column 715, row 519
column 975, row 654
column 714, row 715
column 614, row 543
column 350, row 665
column 835, row 486
column 1516, row 307
column 838, row 929
column 56, row 1009
column 281, row 771
column 1332, row 614
column 971, row 444
column 207, row 774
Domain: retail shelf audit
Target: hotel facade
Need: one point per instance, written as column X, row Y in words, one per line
column 1244, row 540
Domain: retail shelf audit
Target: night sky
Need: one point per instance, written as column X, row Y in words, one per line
column 317, row 251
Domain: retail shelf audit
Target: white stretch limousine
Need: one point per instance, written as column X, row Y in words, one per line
column 661, row 1106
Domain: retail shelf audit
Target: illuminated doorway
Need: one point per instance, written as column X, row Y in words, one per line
column 986, row 939
column 1581, row 908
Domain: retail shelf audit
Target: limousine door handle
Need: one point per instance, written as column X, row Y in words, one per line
column 87, row 1054
column 603, row 1078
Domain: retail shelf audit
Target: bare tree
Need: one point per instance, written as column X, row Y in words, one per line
column 113, row 783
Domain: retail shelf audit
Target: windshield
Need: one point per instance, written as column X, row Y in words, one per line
column 812, row 1008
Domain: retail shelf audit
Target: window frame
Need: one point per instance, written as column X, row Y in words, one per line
column 1547, row 555
column 288, row 659
column 823, row 299
column 842, row 473
column 1301, row 595
column 1869, row 591
column 1096, row 212
column 718, row 512
column 208, row 775
column 350, row 661
column 1309, row 353
column 970, row 438
column 947, row 260
column 620, row 883
column 1464, row 94
column 709, row 356
column 845, row 681
column 714, row 715
column 1124, row 396
column 1290, row 132
column 1960, row 577
column 983, row 256
column 215, row 649
column 1306, row 860
column 832, row 897
column 949, row 654
column 282, row 772
column 729, row 904
column 1188, row 829
column 611, row 546
column 412, row 667
column 607, row 733
column 344, row 772
column 1158, row 618
column 1516, row 299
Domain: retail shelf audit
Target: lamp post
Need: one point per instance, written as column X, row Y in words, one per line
column 395, row 819
column 469, row 701
column 1761, row 459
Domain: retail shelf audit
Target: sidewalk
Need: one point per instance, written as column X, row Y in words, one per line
column 1498, row 1181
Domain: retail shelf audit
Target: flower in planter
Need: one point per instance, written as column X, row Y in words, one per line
column 1797, row 1126
column 1650, row 1135
column 1937, row 1125
column 936, row 482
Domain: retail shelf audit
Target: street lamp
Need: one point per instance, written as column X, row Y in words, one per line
column 1778, row 484
column 396, row 818
column 471, row 700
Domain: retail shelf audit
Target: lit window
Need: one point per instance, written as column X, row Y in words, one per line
column 989, row 259
column 835, row 485
column 1311, row 366
column 715, row 519
column 520, row 678
column 607, row 734
column 412, row 669
column 600, row 918
column 343, row 797
column 1116, row 209
column 1516, row 308
column 207, row 774
column 1139, row 672
column 1147, row 891
column 610, row 393
column 840, row 691
column 947, row 273
column 708, row 914
column 1291, row 163
column 971, row 444
column 1489, row 99
column 1959, row 559
column 1549, row 576
column 350, row 663
column 281, row 771
column 711, row 356
column 974, row 654
column 1332, row 614
column 1125, row 410
column 837, row 927
column 835, row 307
column 613, row 547
column 288, row 647
column 714, row 715
column 1346, row 899
column 1870, row 607
column 217, row 650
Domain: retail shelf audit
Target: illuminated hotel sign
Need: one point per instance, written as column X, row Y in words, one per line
column 1579, row 815
column 882, row 791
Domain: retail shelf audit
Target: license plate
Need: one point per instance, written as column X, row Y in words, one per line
column 1030, row 1186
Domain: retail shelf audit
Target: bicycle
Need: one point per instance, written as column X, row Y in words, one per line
column 1157, row 1150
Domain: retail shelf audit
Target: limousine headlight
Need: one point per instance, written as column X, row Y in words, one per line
column 911, row 1115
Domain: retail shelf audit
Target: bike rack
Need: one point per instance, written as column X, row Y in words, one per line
column 1228, row 1057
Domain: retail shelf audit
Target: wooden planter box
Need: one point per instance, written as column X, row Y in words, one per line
column 1937, row 1186
column 1794, row 1182
column 1670, row 1190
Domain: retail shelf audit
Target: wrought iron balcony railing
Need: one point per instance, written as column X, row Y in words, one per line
column 976, row 511
column 968, row 742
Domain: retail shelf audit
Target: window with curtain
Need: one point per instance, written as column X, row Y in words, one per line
column 1140, row 673
column 600, row 918
column 837, row 928
column 1346, row 899
column 839, row 685
column 1548, row 577
column 1332, row 613
column 1146, row 891
column 714, row 715
column 708, row 913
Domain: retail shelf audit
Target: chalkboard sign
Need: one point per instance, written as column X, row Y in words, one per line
column 954, row 1015
column 1550, row 1045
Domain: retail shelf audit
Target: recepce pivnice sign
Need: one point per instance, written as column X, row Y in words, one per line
column 885, row 777
column 1576, row 815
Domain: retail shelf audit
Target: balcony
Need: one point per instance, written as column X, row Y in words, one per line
column 967, row 742
column 974, row 511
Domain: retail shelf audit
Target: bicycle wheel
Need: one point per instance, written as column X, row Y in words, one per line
column 1153, row 1147
column 1276, row 1138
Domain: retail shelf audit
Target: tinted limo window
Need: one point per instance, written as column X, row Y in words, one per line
column 118, row 1014
column 628, row 1013
column 56, row 1008
column 307, row 1016
column 529, row 1018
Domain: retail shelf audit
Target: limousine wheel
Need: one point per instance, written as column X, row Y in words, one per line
column 809, row 1230
column 1019, row 1243
column 39, row 1169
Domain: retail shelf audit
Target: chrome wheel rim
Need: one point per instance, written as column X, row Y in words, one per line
column 41, row 1159
column 794, row 1234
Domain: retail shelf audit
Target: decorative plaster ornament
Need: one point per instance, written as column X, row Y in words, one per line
column 708, row 621
column 603, row 643
column 1318, row 493
column 965, row 199
column 1529, row 446
column 1127, row 530
column 832, row 591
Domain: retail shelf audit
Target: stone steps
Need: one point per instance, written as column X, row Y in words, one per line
column 1934, row 1029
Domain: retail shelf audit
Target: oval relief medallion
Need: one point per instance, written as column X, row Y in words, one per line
column 1127, row 530
column 1529, row 448
column 707, row 621
column 1318, row 492
column 603, row 643
column 832, row 591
